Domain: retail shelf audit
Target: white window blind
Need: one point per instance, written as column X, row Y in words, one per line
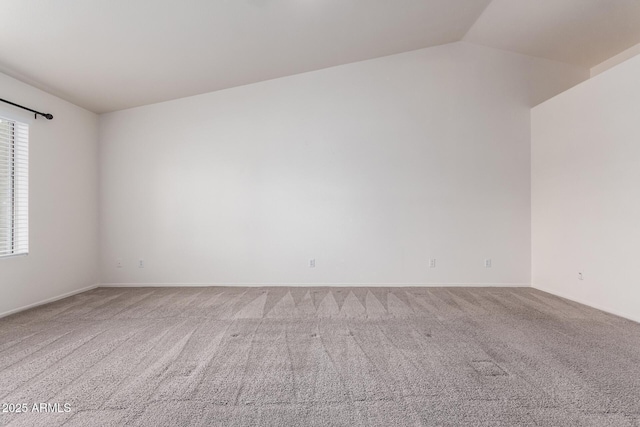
column 14, row 188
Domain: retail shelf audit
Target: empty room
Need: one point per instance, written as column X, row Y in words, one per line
column 319, row 213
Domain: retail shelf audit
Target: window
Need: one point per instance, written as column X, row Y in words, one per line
column 14, row 188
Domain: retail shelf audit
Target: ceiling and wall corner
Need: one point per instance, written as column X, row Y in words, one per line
column 615, row 60
column 580, row 32
column 114, row 55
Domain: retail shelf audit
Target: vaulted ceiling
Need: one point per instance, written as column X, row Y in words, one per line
column 580, row 32
column 114, row 54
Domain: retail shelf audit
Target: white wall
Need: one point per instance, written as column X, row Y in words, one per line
column 62, row 201
column 586, row 192
column 371, row 168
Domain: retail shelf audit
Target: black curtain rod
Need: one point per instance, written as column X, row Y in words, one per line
column 35, row 113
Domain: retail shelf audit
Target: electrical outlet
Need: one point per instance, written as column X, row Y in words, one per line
column 312, row 263
column 432, row 263
column 118, row 263
column 487, row 263
column 141, row 263
column 580, row 277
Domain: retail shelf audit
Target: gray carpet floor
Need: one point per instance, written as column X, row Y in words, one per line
column 320, row 356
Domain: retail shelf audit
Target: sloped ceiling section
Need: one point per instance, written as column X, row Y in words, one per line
column 579, row 32
column 115, row 54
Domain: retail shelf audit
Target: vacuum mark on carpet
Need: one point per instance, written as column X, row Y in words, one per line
column 488, row 368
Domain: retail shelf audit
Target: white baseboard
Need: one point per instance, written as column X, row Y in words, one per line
column 48, row 300
column 351, row 285
column 588, row 303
